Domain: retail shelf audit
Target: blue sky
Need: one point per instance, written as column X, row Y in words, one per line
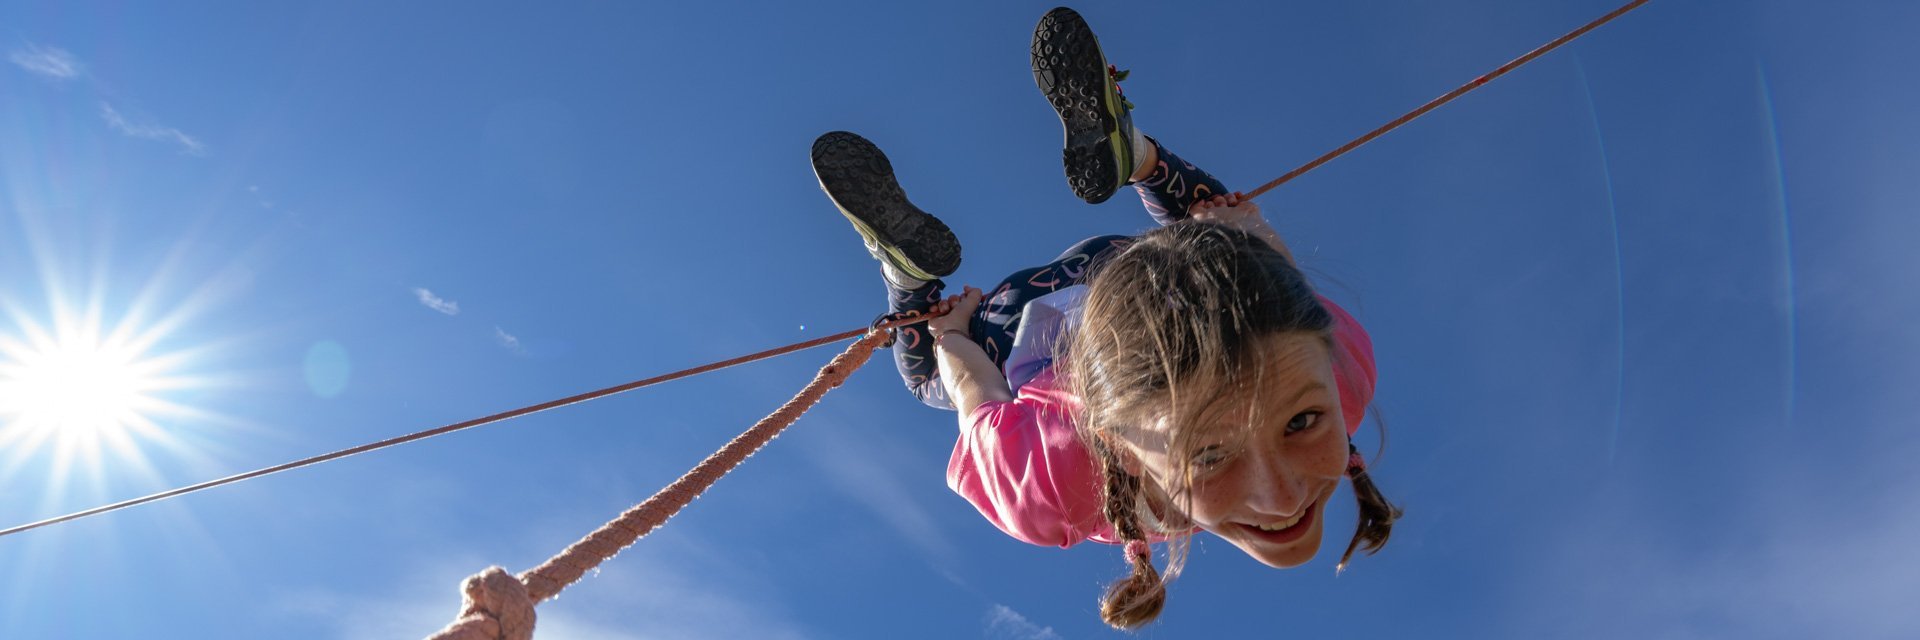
column 1642, row 309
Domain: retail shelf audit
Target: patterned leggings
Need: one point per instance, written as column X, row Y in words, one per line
column 1174, row 186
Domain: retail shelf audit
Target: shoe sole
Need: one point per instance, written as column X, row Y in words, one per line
column 1072, row 73
column 859, row 179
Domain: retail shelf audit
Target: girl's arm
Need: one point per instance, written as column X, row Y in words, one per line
column 968, row 374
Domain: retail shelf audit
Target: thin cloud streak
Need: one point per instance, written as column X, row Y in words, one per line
column 51, row 62
column 508, row 340
column 876, row 471
column 147, row 131
column 1004, row 622
column 438, row 303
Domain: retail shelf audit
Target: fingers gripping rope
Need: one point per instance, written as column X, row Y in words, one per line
column 893, row 321
column 498, row 606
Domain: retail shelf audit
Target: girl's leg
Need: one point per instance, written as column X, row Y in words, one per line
column 995, row 323
column 998, row 319
column 1173, row 185
column 914, row 248
column 1103, row 150
column 913, row 348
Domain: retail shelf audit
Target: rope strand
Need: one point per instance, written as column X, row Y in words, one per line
column 1446, row 98
column 498, row 606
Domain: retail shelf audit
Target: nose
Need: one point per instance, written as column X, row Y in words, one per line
column 1274, row 487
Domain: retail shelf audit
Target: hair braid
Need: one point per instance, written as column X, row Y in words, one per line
column 1376, row 514
column 1138, row 598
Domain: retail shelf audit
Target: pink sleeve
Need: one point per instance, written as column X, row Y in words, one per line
column 1023, row 467
column 1353, row 368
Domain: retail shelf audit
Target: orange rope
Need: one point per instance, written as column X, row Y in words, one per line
column 1448, row 97
column 499, row 606
column 504, row 415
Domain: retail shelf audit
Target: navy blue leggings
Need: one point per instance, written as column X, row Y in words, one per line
column 997, row 320
column 1174, row 186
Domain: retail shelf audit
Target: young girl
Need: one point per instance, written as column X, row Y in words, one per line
column 1132, row 390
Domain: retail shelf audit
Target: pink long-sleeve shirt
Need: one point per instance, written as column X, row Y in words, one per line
column 1022, row 465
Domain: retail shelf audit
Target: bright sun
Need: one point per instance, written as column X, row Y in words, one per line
column 75, row 387
column 81, row 399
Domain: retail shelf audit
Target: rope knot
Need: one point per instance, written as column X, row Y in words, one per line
column 494, row 606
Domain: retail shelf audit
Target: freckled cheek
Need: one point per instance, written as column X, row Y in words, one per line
column 1326, row 459
column 1214, row 501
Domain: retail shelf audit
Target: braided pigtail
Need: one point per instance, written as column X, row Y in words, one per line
column 1376, row 514
column 1138, row 598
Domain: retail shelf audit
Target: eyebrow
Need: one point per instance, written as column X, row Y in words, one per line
column 1305, row 391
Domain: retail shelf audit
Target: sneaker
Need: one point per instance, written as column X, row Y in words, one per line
column 1082, row 87
column 859, row 180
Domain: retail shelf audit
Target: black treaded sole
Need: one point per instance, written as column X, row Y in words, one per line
column 1071, row 72
column 859, row 179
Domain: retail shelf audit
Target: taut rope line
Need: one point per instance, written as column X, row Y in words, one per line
column 1448, row 97
column 504, row 415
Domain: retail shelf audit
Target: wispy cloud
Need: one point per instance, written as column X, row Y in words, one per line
column 150, row 131
column 46, row 61
column 878, row 471
column 437, row 303
column 259, row 197
column 1004, row 622
column 508, row 340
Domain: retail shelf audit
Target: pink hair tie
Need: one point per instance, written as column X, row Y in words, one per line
column 1139, row 550
column 1354, row 463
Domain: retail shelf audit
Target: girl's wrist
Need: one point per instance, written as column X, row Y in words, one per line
column 942, row 333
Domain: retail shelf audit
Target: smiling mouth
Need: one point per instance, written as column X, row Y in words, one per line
column 1286, row 532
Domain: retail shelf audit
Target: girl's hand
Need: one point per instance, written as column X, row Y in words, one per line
column 1228, row 209
column 958, row 313
column 1237, row 211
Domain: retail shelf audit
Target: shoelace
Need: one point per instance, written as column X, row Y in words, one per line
column 1115, row 75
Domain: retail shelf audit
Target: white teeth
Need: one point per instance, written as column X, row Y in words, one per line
column 1282, row 525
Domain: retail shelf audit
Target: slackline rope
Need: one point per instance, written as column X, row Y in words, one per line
column 884, row 325
column 1446, row 98
column 499, row 605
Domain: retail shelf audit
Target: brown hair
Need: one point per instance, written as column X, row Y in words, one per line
column 1170, row 326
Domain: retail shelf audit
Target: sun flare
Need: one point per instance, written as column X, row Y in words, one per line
column 79, row 396
column 75, row 387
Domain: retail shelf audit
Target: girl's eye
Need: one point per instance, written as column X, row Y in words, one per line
column 1304, row 421
column 1209, row 456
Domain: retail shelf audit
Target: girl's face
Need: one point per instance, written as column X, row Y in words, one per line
column 1264, row 466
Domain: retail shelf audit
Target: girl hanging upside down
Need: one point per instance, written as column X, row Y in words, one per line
column 1135, row 389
